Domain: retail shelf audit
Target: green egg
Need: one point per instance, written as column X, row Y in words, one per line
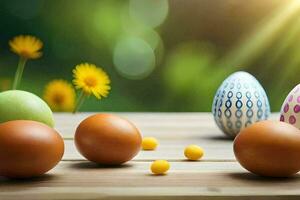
column 22, row 105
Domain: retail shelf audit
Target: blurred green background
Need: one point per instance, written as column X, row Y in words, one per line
column 161, row 55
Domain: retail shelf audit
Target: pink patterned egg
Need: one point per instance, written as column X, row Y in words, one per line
column 290, row 109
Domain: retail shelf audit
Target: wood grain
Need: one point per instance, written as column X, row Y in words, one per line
column 217, row 176
column 210, row 179
column 173, row 151
column 170, row 126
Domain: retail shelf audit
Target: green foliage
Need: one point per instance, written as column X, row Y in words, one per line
column 195, row 44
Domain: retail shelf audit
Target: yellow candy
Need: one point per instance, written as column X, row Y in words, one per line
column 193, row 152
column 160, row 167
column 149, row 143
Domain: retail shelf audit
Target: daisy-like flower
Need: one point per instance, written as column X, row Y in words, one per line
column 26, row 46
column 92, row 81
column 60, row 96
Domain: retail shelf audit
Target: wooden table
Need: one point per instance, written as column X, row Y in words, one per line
column 216, row 176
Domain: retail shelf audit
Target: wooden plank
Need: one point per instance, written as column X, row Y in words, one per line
column 167, row 134
column 171, row 126
column 149, row 193
column 216, row 176
column 149, row 124
column 218, row 151
column 150, row 117
column 209, row 180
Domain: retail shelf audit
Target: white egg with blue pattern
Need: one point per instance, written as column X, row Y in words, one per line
column 239, row 102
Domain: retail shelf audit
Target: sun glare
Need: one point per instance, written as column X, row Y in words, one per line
column 265, row 33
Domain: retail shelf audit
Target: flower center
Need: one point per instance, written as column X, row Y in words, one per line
column 58, row 99
column 25, row 53
column 90, row 81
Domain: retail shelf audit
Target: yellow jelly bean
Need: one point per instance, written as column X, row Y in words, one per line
column 160, row 167
column 193, row 152
column 149, row 143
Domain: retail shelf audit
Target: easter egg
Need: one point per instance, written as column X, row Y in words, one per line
column 269, row 148
column 28, row 148
column 290, row 109
column 107, row 139
column 22, row 105
column 239, row 102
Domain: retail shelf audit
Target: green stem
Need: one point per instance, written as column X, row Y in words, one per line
column 19, row 73
column 80, row 101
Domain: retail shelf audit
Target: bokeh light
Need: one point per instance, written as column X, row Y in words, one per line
column 134, row 58
column 151, row 13
column 107, row 22
column 148, row 34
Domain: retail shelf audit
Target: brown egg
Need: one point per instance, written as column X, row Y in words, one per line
column 28, row 149
column 269, row 148
column 107, row 139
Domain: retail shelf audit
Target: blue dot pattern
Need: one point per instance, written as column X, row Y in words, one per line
column 239, row 102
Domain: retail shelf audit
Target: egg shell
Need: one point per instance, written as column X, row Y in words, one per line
column 239, row 102
column 107, row 139
column 28, row 149
column 290, row 109
column 269, row 148
column 22, row 105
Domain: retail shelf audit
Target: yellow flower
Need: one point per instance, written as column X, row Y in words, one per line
column 60, row 95
column 91, row 80
column 26, row 46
